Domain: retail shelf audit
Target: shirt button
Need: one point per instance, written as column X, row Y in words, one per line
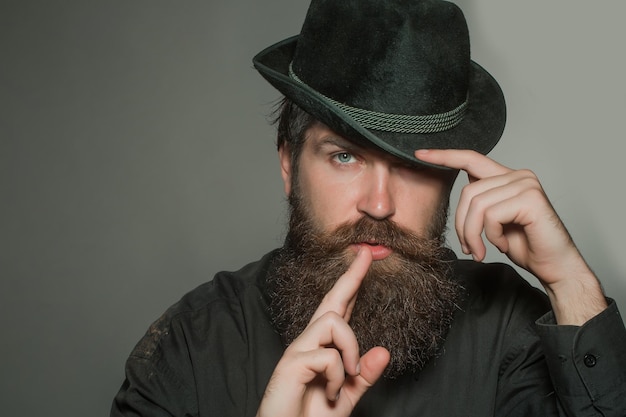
column 590, row 360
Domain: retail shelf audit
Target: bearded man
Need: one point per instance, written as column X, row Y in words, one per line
column 364, row 311
column 407, row 299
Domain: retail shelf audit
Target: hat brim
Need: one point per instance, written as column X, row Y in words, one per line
column 480, row 129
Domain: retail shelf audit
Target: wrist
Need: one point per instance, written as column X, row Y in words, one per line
column 576, row 300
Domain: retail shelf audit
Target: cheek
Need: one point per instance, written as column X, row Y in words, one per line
column 330, row 203
column 420, row 205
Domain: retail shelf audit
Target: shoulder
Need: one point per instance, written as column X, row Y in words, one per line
column 188, row 353
column 226, row 300
column 226, row 288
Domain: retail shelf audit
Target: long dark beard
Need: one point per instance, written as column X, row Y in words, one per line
column 405, row 304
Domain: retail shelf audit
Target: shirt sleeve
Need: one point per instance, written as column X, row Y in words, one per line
column 587, row 364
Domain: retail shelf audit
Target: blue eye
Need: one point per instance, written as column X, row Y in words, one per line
column 344, row 157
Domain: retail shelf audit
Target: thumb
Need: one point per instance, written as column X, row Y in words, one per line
column 373, row 364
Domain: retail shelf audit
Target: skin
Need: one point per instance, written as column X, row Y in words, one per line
column 321, row 372
column 343, row 181
column 516, row 216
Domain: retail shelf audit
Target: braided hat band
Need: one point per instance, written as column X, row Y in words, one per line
column 397, row 123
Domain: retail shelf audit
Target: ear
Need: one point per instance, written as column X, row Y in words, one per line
column 284, row 156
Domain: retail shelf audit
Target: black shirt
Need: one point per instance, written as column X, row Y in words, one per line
column 213, row 352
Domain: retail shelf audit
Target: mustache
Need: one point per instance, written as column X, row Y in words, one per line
column 381, row 232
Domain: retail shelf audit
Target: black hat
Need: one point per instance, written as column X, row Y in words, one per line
column 396, row 73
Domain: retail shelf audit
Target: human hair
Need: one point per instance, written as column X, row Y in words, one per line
column 292, row 124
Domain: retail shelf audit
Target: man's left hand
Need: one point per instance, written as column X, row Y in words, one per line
column 513, row 211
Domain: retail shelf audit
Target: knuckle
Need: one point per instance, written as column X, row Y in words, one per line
column 480, row 203
column 330, row 318
column 529, row 179
column 333, row 356
column 468, row 191
column 491, row 219
column 527, row 173
column 533, row 194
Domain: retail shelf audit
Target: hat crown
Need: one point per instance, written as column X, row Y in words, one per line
column 394, row 73
column 390, row 56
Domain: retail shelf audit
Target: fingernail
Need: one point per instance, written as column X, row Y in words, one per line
column 358, row 368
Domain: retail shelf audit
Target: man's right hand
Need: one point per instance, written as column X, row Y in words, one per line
column 321, row 373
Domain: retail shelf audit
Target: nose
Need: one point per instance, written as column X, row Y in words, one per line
column 377, row 196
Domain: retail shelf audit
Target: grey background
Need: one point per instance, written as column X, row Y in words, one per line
column 136, row 161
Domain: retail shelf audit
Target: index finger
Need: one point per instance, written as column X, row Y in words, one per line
column 341, row 297
column 475, row 164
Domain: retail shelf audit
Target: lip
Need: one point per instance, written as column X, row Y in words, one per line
column 378, row 251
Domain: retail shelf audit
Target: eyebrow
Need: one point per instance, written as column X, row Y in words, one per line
column 339, row 143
